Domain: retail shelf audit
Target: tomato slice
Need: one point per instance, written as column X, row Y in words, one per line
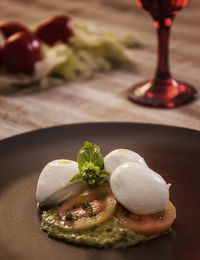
column 90, row 208
column 148, row 225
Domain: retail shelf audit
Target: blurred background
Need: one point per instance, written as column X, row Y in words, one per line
column 103, row 96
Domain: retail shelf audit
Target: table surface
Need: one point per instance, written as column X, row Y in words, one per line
column 103, row 97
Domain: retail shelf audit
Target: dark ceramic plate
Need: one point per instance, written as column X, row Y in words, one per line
column 173, row 152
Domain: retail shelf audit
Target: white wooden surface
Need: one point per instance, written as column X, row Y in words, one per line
column 103, row 98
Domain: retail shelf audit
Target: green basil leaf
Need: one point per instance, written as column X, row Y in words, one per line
column 77, row 177
column 91, row 166
column 90, row 153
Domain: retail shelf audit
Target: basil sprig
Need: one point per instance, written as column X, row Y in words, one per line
column 91, row 166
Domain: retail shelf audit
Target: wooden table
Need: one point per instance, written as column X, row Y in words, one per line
column 103, row 98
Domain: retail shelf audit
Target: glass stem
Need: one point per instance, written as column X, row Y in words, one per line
column 163, row 26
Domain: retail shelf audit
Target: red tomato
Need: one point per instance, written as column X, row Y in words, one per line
column 148, row 225
column 20, row 52
column 9, row 28
column 56, row 28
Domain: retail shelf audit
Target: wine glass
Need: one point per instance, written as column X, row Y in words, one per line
column 163, row 90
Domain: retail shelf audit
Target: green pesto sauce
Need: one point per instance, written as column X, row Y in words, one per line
column 107, row 234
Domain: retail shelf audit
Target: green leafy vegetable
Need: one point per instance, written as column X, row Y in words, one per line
column 91, row 166
column 69, row 217
column 85, row 205
column 90, row 153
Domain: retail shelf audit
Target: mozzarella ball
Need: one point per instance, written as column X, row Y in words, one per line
column 116, row 157
column 54, row 184
column 139, row 189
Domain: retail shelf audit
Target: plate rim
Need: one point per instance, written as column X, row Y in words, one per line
column 124, row 125
column 9, row 138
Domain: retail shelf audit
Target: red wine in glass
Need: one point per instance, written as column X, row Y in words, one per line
column 163, row 90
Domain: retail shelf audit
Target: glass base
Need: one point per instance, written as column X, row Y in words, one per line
column 168, row 93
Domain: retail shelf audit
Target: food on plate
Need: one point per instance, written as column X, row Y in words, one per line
column 54, row 184
column 9, row 28
column 91, row 166
column 107, row 234
column 54, row 29
column 20, row 52
column 118, row 156
column 146, row 191
column 89, row 209
column 70, row 49
column 130, row 207
column 148, row 225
